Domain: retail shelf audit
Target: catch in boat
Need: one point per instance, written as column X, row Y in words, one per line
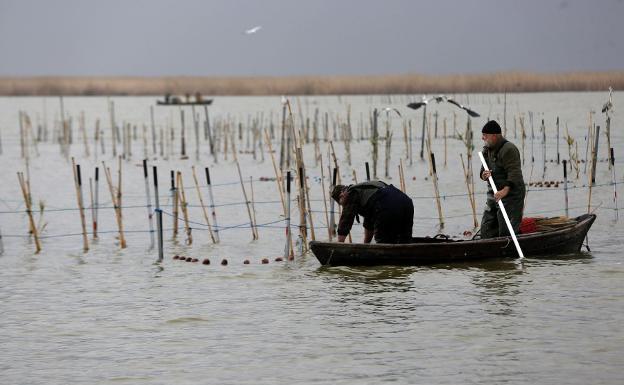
column 548, row 236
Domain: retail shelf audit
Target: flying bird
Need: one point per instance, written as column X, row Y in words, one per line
column 470, row 112
column 253, row 30
column 388, row 110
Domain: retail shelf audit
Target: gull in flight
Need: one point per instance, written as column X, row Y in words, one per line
column 388, row 110
column 253, row 30
column 441, row 98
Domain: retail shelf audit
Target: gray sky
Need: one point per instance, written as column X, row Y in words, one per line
column 316, row 37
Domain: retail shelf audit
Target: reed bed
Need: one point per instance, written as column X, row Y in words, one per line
column 315, row 85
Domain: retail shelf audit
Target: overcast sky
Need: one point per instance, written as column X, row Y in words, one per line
column 315, row 37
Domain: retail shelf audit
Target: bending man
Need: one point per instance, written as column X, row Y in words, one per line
column 388, row 213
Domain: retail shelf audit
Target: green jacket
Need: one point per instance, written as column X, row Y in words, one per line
column 506, row 166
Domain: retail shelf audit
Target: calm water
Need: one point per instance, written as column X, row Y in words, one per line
column 113, row 316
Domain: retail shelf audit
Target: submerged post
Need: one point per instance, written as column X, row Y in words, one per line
column 565, row 185
column 614, row 182
column 212, row 206
column 287, row 249
column 149, row 204
column 160, row 234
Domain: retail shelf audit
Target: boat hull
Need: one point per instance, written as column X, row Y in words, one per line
column 426, row 251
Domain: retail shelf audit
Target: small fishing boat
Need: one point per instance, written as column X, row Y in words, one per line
column 177, row 102
column 440, row 249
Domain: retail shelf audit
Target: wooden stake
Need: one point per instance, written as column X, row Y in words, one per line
column 116, row 199
column 278, row 177
column 78, row 185
column 150, row 218
column 27, row 202
column 201, row 202
column 184, row 205
column 470, row 193
column 212, row 206
column 240, row 175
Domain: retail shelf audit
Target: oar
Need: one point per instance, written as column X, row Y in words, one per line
column 502, row 208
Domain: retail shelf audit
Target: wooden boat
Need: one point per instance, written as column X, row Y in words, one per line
column 176, row 102
column 428, row 250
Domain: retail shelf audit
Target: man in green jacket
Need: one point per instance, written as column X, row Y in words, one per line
column 503, row 160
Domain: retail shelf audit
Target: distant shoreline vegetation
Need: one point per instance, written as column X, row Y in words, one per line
column 313, row 85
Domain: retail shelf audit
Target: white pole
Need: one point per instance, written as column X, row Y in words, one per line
column 502, row 208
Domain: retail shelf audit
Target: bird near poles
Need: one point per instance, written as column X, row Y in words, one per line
column 442, row 98
column 253, row 30
column 388, row 110
column 608, row 105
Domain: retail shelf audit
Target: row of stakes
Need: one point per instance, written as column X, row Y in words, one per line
column 224, row 262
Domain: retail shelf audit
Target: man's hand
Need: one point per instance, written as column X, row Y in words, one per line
column 485, row 175
column 502, row 193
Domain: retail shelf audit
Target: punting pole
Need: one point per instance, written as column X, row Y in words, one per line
column 614, row 182
column 96, row 201
column 565, row 185
column 502, row 208
column 287, row 247
column 212, row 206
column 149, row 204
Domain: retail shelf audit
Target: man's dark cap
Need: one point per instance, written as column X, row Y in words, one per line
column 336, row 191
column 491, row 127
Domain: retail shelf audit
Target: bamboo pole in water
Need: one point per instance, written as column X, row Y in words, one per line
column 278, row 177
column 325, row 200
column 28, row 203
column 174, row 202
column 613, row 182
column 201, row 202
column 254, row 233
column 116, row 199
column 153, row 127
column 288, row 249
column 437, row 192
column 184, row 205
column 212, row 205
column 470, row 193
column 96, row 202
column 79, row 199
column 150, row 218
column 565, row 186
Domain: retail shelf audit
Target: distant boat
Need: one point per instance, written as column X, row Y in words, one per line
column 177, row 102
column 427, row 251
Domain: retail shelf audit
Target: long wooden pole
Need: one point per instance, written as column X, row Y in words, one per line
column 79, row 199
column 240, row 175
column 278, row 176
column 31, row 220
column 150, row 218
column 184, row 205
column 212, row 205
column 201, row 202
column 116, row 205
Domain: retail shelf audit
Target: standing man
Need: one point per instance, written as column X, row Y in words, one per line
column 388, row 213
column 503, row 160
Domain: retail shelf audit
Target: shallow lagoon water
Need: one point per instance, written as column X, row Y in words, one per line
column 113, row 316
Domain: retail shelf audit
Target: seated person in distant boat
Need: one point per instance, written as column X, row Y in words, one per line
column 503, row 160
column 388, row 213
